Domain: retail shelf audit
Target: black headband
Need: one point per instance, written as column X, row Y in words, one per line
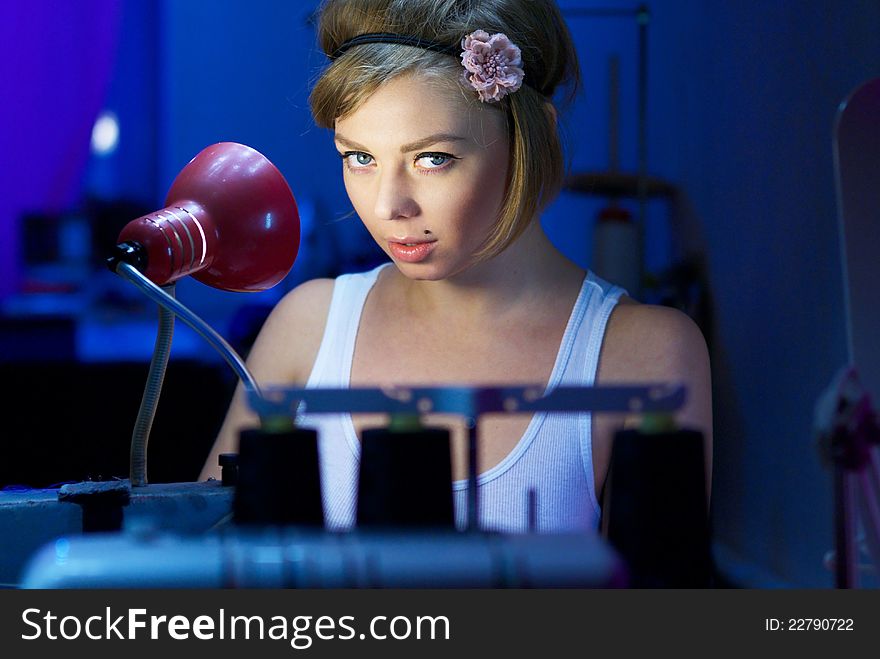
column 404, row 40
column 400, row 39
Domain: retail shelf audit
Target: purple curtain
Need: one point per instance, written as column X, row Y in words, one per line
column 56, row 59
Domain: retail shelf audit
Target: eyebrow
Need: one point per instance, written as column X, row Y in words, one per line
column 412, row 146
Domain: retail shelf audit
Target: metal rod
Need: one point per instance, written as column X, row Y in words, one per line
column 870, row 506
column 159, row 296
column 140, row 435
column 844, row 528
column 873, row 468
column 473, row 523
column 470, row 402
column 643, row 17
column 614, row 113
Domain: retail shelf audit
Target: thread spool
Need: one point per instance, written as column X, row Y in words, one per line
column 616, row 248
column 405, row 478
column 655, row 510
column 278, row 479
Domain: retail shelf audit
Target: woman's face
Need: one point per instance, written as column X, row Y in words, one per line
column 425, row 171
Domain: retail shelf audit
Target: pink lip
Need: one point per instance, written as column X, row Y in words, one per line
column 418, row 250
column 410, row 239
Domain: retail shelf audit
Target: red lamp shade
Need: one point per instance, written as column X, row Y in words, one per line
column 230, row 221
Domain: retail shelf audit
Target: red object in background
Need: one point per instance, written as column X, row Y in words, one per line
column 230, row 221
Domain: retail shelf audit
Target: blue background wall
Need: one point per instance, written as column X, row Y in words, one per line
column 741, row 100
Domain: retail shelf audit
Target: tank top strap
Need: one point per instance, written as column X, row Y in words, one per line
column 598, row 304
column 332, row 366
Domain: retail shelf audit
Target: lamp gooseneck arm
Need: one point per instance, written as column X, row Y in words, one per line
column 159, row 296
column 140, row 436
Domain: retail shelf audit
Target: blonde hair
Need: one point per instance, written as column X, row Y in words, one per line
column 537, row 168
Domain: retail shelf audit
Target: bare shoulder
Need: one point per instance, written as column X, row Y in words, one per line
column 645, row 341
column 654, row 344
column 307, row 302
column 291, row 336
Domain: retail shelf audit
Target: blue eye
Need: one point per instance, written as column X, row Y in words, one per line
column 356, row 159
column 435, row 160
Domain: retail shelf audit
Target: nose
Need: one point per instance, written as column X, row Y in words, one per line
column 394, row 199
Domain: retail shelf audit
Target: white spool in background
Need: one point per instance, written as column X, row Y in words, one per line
column 616, row 249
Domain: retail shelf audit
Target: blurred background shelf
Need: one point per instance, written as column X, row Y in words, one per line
column 616, row 184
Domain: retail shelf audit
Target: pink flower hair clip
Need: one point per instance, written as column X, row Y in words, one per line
column 493, row 65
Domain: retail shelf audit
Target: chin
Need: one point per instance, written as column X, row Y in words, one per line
column 419, row 274
column 423, row 271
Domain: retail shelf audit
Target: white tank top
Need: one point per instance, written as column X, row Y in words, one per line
column 553, row 458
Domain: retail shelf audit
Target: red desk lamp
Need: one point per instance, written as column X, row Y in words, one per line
column 230, row 221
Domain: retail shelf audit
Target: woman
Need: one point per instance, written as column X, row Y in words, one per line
column 443, row 117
